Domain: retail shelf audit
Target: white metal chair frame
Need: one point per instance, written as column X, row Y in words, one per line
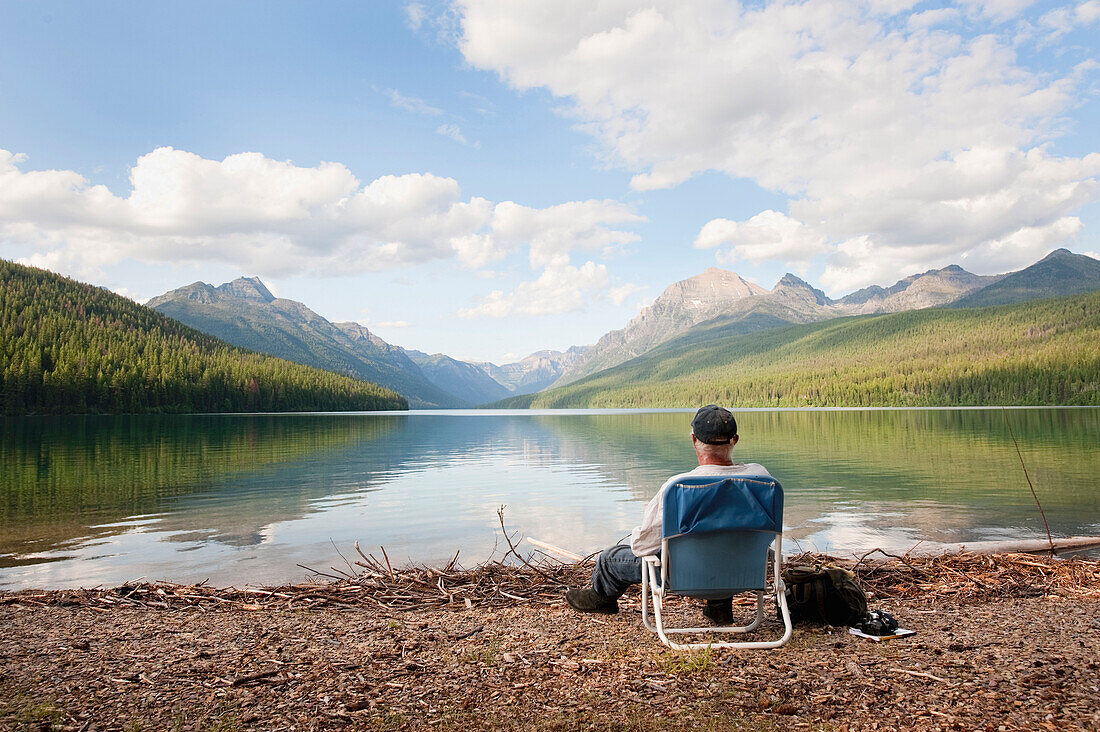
column 651, row 589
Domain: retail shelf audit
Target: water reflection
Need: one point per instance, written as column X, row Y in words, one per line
column 244, row 499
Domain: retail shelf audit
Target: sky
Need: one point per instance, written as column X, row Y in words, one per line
column 488, row 178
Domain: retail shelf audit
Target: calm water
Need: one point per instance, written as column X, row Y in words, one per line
column 244, row 499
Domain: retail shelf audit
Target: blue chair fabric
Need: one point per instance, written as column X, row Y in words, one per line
column 718, row 534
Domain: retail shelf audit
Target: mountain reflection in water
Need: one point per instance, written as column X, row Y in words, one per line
column 245, row 498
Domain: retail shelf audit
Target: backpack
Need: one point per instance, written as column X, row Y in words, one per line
column 827, row 595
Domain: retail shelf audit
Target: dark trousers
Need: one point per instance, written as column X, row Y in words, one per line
column 616, row 569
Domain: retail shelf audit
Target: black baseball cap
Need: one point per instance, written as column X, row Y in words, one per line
column 714, row 425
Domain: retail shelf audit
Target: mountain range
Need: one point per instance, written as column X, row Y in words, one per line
column 1039, row 352
column 739, row 306
column 714, row 304
column 245, row 313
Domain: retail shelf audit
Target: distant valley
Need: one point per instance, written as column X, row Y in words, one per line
column 715, row 304
column 245, row 313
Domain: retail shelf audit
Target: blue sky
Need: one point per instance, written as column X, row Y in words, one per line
column 488, row 180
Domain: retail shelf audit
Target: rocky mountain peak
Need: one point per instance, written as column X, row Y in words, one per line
column 711, row 286
column 682, row 305
column 927, row 289
column 793, row 286
column 247, row 288
column 198, row 292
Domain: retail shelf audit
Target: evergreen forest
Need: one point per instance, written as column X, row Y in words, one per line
column 72, row 348
column 1044, row 352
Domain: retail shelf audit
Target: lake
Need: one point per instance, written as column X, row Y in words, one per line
column 244, row 499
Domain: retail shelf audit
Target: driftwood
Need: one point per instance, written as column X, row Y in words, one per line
column 1029, row 546
column 374, row 583
column 555, row 550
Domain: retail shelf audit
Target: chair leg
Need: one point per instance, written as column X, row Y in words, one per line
column 650, row 591
column 781, row 601
column 785, row 612
column 778, row 591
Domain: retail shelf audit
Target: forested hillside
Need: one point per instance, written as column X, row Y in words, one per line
column 68, row 347
column 1041, row 352
column 246, row 314
column 1058, row 274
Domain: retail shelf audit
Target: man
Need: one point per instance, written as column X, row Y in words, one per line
column 713, row 434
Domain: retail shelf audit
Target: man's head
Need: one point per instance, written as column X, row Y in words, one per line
column 713, row 433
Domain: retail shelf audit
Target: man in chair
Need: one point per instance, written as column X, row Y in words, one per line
column 713, row 435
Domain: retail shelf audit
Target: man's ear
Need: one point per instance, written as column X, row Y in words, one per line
column 734, row 439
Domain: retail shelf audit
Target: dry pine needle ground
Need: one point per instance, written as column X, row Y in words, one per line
column 1004, row 642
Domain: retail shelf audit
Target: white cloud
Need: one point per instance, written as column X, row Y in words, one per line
column 129, row 294
column 999, row 11
column 553, row 232
column 453, row 132
column 932, row 18
column 415, row 105
column 394, row 324
column 1064, row 20
column 415, row 15
column 559, row 289
column 59, row 261
column 1088, row 12
column 769, row 235
column 274, row 218
column 914, row 133
column 618, row 295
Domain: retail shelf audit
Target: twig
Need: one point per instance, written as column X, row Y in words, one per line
column 512, row 547
column 253, row 677
column 901, row 558
column 922, row 674
column 323, row 574
column 451, row 564
column 387, row 558
column 353, row 572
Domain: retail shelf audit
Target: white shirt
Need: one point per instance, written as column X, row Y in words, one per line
column 646, row 539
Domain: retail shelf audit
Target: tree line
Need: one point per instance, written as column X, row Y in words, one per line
column 71, row 348
column 1037, row 353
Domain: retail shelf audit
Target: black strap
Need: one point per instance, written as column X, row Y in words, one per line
column 819, row 584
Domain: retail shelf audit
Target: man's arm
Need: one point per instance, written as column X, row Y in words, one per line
column 646, row 539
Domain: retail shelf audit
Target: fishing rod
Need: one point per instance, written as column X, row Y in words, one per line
column 1050, row 540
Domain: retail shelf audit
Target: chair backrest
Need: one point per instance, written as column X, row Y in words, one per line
column 718, row 532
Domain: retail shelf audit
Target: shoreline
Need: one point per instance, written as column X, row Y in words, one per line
column 1002, row 641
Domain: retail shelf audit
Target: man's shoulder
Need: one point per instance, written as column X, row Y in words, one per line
column 735, row 469
column 720, row 470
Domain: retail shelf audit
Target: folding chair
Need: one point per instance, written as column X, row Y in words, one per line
column 717, row 535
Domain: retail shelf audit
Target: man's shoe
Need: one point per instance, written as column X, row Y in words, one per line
column 719, row 612
column 587, row 600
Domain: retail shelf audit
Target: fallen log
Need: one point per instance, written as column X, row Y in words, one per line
column 1018, row 546
column 555, row 549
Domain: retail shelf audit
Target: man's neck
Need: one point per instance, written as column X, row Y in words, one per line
column 715, row 460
